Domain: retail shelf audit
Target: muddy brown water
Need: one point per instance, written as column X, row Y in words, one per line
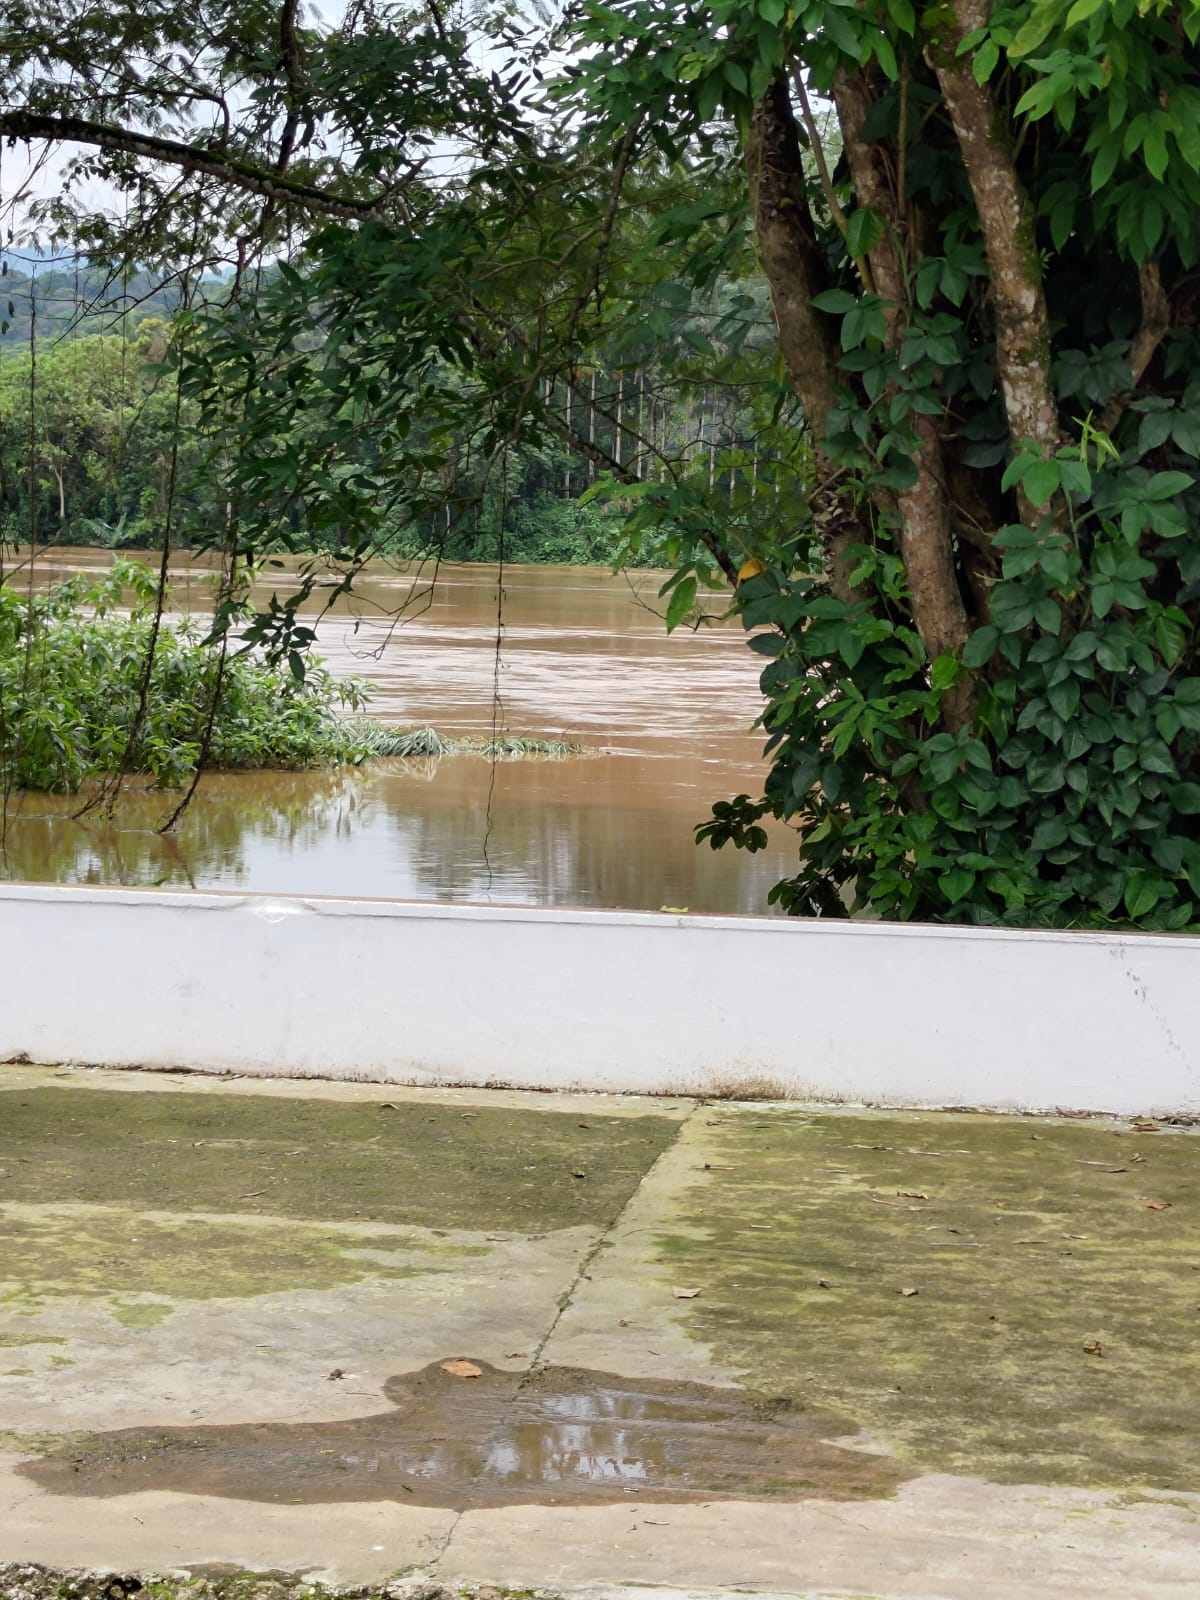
column 583, row 657
column 557, row 1435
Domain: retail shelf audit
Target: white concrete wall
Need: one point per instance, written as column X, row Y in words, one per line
column 909, row 1015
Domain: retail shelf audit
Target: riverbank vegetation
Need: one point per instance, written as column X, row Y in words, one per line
column 958, row 505
column 97, row 684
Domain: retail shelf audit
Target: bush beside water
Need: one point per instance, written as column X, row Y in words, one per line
column 72, row 671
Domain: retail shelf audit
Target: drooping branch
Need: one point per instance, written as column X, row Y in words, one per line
column 1006, row 223
column 229, row 169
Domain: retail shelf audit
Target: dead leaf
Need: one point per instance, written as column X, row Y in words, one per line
column 583, row 1124
column 253, row 1195
column 824, row 1283
column 1093, row 1348
column 1143, row 1125
column 684, row 1294
column 336, row 1373
column 1074, row 1235
column 1158, row 1205
column 388, row 1105
column 579, row 1173
column 459, row 1368
column 908, row 1293
column 911, row 1194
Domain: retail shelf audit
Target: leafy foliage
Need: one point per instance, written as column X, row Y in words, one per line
column 1038, row 762
column 72, row 669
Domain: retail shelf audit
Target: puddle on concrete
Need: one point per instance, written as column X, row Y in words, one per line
column 557, row 1436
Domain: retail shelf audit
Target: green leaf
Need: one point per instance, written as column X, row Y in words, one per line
column 864, row 230
column 1185, row 797
column 683, row 598
column 981, row 646
column 838, row 301
column 945, row 672
column 956, row 884
column 1143, row 890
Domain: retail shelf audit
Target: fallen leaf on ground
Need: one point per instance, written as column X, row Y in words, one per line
column 1093, row 1348
column 388, row 1105
column 908, row 1293
column 583, row 1124
column 684, row 1294
column 912, row 1194
column 1074, row 1235
column 578, row 1173
column 824, row 1283
column 1158, row 1205
column 462, row 1369
column 336, row 1373
column 253, row 1195
column 1142, row 1125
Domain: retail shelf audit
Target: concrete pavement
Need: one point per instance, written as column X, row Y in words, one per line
column 708, row 1347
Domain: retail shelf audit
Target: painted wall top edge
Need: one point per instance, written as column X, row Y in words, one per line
column 287, row 906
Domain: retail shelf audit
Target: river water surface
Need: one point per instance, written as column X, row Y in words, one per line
column 561, row 653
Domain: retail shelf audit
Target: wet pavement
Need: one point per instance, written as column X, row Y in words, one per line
column 595, row 1344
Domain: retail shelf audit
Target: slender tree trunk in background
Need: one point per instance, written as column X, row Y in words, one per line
column 641, row 420
column 567, row 473
column 591, row 430
column 709, row 413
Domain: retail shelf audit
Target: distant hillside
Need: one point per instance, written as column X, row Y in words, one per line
column 68, row 295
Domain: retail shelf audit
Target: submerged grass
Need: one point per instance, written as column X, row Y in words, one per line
column 369, row 739
column 992, row 1296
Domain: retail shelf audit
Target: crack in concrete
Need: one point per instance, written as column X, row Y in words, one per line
column 564, row 1304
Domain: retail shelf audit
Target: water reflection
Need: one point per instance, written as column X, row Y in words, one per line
column 582, row 656
column 554, row 1435
column 587, row 832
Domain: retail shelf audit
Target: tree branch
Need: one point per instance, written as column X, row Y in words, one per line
column 150, row 147
column 1156, row 321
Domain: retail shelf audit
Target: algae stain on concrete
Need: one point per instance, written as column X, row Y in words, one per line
column 144, row 1265
column 556, row 1436
column 417, row 1163
column 992, row 1296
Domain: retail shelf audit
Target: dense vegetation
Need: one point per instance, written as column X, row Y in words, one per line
column 960, row 509
column 83, row 697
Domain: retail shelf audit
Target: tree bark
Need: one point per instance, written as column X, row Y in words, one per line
column 924, row 510
column 1006, row 220
column 796, row 271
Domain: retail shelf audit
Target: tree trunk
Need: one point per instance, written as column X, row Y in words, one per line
column 924, row 510
column 1006, row 219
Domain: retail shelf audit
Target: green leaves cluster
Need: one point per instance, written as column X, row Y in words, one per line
column 73, row 666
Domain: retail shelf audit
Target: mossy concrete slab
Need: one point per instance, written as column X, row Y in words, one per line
column 999, row 1297
column 183, row 1253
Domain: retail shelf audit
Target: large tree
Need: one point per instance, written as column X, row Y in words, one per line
column 981, row 227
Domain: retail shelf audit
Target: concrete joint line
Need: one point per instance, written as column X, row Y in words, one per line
column 564, row 1305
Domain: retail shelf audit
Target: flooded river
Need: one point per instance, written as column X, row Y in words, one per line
column 561, row 653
